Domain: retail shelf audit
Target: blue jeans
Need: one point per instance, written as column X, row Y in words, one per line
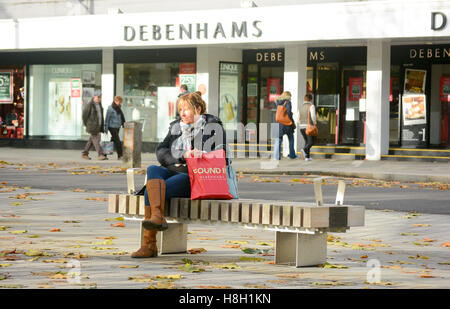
column 177, row 184
column 277, row 147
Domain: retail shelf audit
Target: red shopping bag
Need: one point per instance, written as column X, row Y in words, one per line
column 208, row 176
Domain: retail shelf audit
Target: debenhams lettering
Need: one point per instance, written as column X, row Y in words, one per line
column 198, row 31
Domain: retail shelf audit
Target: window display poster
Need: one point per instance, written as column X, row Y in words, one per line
column 188, row 68
column 414, row 109
column 88, row 77
column 273, row 88
column 415, row 81
column 75, row 87
column 167, row 100
column 229, row 93
column 189, row 80
column 445, row 88
column 355, row 85
column 6, row 87
column 62, row 113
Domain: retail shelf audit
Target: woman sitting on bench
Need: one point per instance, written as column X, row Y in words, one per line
column 187, row 136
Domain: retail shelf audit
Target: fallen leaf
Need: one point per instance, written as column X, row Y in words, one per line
column 58, row 276
column 231, row 246
column 188, row 267
column 427, row 275
column 119, row 224
column 446, row 244
column 196, row 250
column 328, row 265
column 128, row 266
column 236, row 242
column 421, row 225
column 55, row 230
column 251, row 259
column 18, row 232
column 5, row 265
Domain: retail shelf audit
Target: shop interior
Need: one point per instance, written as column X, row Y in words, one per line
column 12, row 102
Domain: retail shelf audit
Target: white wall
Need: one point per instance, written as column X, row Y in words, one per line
column 208, row 59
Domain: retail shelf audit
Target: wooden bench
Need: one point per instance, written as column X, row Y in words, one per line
column 300, row 228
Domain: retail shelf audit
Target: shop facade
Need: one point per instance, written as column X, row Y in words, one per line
column 375, row 84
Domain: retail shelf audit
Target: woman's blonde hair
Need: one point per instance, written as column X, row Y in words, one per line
column 286, row 95
column 194, row 101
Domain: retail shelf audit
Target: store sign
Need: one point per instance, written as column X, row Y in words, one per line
column 438, row 21
column 269, row 57
column 172, row 32
column 429, row 53
column 6, row 87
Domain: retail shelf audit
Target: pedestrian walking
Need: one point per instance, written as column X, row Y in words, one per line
column 113, row 121
column 171, row 178
column 93, row 121
column 285, row 99
column 307, row 116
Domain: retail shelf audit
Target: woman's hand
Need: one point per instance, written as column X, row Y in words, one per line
column 194, row 153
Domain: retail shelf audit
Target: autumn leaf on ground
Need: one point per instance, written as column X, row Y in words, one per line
column 236, row 242
column 427, row 275
column 115, row 219
column 446, row 244
column 55, row 261
column 228, row 266
column 58, row 276
column 4, row 227
column 18, row 232
column 196, row 250
column 72, row 221
column 118, row 224
column 15, row 204
column 231, row 246
column 108, row 237
column 106, row 242
column 188, row 267
column 55, row 230
column 128, row 266
column 101, row 199
column 328, row 265
column 421, row 225
column 422, row 257
column 409, row 234
column 79, row 190
column 5, row 265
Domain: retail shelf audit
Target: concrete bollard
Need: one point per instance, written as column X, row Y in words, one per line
column 132, row 144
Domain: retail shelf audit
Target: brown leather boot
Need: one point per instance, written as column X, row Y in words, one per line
column 156, row 190
column 148, row 244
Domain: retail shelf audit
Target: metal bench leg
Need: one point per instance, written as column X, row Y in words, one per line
column 300, row 249
column 173, row 240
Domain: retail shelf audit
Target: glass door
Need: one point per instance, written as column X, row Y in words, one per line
column 327, row 102
column 271, row 88
column 414, row 106
column 354, row 105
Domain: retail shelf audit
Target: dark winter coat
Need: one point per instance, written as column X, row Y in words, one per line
column 282, row 128
column 93, row 124
column 210, row 139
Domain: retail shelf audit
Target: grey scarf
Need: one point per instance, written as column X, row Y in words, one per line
column 188, row 132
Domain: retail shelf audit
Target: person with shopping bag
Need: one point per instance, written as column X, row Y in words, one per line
column 189, row 136
column 113, row 121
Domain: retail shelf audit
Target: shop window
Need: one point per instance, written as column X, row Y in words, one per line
column 12, row 94
column 230, row 95
column 327, row 101
column 150, row 92
column 57, row 94
column 394, row 106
